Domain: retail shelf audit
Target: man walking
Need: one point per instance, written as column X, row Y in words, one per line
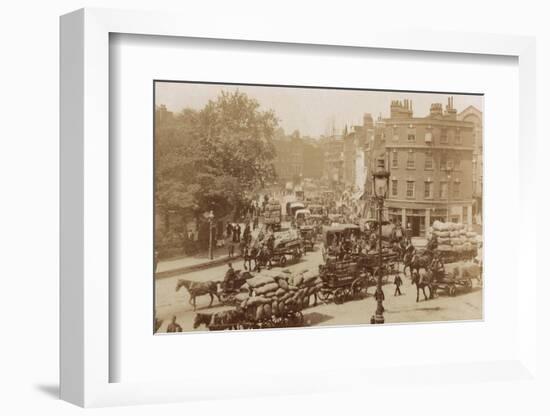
column 174, row 326
column 397, row 281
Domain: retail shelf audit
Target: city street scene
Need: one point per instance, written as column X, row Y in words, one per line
column 284, row 207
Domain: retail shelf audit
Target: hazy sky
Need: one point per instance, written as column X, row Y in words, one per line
column 312, row 111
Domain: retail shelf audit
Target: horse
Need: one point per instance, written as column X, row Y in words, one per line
column 415, row 261
column 422, row 283
column 199, row 289
column 230, row 319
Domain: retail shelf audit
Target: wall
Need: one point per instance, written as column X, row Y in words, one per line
column 29, row 209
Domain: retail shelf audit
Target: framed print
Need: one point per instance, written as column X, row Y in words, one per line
column 266, row 208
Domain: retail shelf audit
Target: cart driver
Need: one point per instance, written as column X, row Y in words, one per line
column 437, row 266
column 229, row 277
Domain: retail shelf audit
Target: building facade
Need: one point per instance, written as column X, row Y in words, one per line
column 475, row 116
column 430, row 163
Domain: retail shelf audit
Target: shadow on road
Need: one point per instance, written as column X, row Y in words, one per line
column 315, row 318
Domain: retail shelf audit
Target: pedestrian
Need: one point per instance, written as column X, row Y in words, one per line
column 397, row 281
column 379, row 297
column 174, row 326
column 228, row 230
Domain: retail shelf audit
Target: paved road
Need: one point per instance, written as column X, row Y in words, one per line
column 169, row 302
column 399, row 309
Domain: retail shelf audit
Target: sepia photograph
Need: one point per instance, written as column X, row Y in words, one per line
column 295, row 207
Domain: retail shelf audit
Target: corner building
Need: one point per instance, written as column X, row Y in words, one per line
column 430, row 163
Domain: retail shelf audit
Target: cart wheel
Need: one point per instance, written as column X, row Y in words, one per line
column 282, row 261
column 339, row 296
column 452, row 290
column 324, row 295
column 468, row 284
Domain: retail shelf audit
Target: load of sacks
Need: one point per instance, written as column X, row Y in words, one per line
column 272, row 212
column 277, row 294
column 454, row 236
column 464, row 271
column 285, row 237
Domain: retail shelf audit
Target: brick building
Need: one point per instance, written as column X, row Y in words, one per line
column 430, row 161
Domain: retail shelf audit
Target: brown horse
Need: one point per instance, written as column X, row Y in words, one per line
column 415, row 261
column 199, row 289
column 422, row 282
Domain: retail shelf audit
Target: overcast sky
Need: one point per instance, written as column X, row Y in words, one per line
column 312, row 111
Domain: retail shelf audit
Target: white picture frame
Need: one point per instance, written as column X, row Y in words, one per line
column 85, row 164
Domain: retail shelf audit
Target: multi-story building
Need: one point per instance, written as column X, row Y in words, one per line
column 334, row 159
column 297, row 157
column 430, row 163
column 354, row 167
column 475, row 116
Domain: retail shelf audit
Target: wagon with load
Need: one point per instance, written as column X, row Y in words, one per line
column 343, row 280
column 454, row 241
column 273, row 300
column 456, row 276
column 287, row 246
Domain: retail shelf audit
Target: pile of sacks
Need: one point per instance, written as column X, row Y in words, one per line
column 272, row 213
column 454, row 236
column 285, row 237
column 277, row 294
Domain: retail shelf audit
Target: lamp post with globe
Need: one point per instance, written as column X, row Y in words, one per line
column 380, row 190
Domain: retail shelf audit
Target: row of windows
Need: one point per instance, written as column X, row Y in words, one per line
column 446, row 136
column 444, row 162
column 410, row 191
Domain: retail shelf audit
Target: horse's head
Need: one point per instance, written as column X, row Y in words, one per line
column 181, row 282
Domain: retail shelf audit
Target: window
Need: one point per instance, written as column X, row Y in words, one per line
column 410, row 189
column 429, row 162
column 394, row 160
column 410, row 160
column 450, row 136
column 395, row 134
column 428, row 136
column 428, row 190
column 457, row 163
column 411, row 135
column 443, row 162
column 458, row 137
column 443, row 190
column 443, row 136
column 456, row 189
column 394, row 187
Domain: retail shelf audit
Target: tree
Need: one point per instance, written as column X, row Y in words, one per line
column 209, row 159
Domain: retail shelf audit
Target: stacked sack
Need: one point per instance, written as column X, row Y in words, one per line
column 453, row 236
column 285, row 237
column 276, row 294
column 272, row 213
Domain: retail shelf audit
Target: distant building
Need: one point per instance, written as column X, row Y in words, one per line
column 475, row 116
column 297, row 157
column 430, row 163
column 334, row 160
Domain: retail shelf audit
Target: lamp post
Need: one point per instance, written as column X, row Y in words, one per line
column 210, row 216
column 448, row 170
column 380, row 185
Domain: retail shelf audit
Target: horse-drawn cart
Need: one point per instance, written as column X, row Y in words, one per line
column 450, row 282
column 343, row 280
column 289, row 250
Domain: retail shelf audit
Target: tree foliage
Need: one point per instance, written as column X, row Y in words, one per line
column 210, row 158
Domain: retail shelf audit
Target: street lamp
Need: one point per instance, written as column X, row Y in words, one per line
column 380, row 179
column 210, row 217
column 448, row 170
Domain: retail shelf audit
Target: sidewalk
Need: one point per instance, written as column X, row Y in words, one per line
column 172, row 267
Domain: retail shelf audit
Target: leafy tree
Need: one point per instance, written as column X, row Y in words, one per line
column 209, row 159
